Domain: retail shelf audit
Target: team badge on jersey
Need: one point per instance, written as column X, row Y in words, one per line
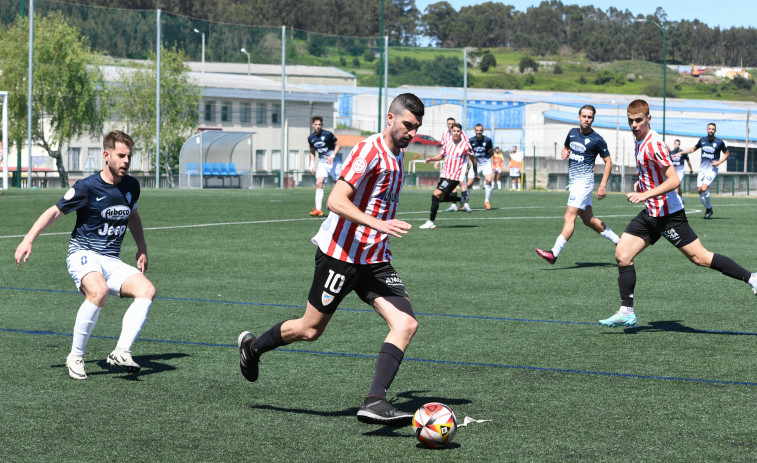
column 326, row 298
column 359, row 165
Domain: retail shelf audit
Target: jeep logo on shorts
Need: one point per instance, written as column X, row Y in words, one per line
column 116, row 213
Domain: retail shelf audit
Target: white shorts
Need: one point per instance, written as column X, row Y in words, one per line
column 332, row 170
column 514, row 172
column 463, row 173
column 498, row 170
column 706, row 175
column 114, row 270
column 681, row 172
column 485, row 170
column 580, row 195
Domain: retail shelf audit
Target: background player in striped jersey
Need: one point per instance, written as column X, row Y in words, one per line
column 105, row 204
column 353, row 255
column 455, row 154
column 483, row 151
column 677, row 158
column 447, row 141
column 711, row 147
column 662, row 216
column 324, row 146
column 582, row 145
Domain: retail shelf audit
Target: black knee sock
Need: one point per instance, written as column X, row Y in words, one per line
column 452, row 198
column 389, row 359
column 626, row 284
column 434, row 208
column 465, row 195
column 269, row 340
column 728, row 267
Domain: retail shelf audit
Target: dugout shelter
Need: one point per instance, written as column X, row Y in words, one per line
column 217, row 159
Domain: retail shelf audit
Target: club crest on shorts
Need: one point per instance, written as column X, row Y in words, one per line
column 326, row 298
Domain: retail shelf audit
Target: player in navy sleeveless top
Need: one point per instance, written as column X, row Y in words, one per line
column 105, row 205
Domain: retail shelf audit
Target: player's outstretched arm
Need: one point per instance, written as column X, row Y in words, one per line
column 135, row 225
column 340, row 202
column 45, row 220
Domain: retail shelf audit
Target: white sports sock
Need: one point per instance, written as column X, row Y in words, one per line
column 488, row 193
column 134, row 320
column 319, row 199
column 753, row 281
column 625, row 311
column 610, row 235
column 86, row 319
column 559, row 243
column 705, row 198
column 499, row 184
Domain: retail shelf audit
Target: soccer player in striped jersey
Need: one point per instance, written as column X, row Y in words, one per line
column 324, row 160
column 353, row 255
column 455, row 154
column 663, row 215
column 712, row 147
column 581, row 148
column 447, row 141
column 105, row 205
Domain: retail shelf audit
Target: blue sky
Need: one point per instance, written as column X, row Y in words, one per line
column 726, row 14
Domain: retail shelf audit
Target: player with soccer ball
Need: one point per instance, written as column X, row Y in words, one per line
column 353, row 255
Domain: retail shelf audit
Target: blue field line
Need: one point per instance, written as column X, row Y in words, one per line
column 410, row 359
column 423, row 314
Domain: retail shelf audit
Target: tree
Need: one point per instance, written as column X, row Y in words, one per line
column 528, row 63
column 179, row 107
column 488, row 61
column 67, row 97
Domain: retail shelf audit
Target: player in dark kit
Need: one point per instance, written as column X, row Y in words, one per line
column 105, row 205
column 712, row 147
column 483, row 150
column 324, row 160
column 353, row 255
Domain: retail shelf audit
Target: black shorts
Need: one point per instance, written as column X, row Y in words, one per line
column 674, row 227
column 334, row 279
column 447, row 186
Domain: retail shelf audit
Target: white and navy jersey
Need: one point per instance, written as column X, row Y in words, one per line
column 483, row 150
column 102, row 213
column 711, row 150
column 324, row 143
column 678, row 159
column 583, row 154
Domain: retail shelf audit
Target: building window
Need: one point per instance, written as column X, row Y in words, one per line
column 260, row 109
column 136, row 160
column 276, row 114
column 245, row 111
column 292, row 163
column 93, row 160
column 74, row 157
column 210, row 111
column 226, row 111
column 259, row 160
column 275, row 159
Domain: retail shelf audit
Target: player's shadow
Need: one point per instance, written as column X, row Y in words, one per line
column 676, row 326
column 150, row 364
column 579, row 265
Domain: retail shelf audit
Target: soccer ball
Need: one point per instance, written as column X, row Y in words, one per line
column 434, row 425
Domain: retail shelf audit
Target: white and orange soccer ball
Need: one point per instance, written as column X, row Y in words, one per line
column 434, row 425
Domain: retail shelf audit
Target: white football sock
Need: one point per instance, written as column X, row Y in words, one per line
column 319, row 198
column 610, row 235
column 753, row 281
column 488, row 194
column 705, row 198
column 499, row 184
column 134, row 319
column 86, row 319
column 559, row 243
column 625, row 311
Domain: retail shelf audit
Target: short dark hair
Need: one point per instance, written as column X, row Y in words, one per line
column 408, row 102
column 677, row 140
column 712, row 124
column 116, row 136
column 589, row 107
column 451, row 119
column 457, row 125
column 479, row 125
column 317, row 118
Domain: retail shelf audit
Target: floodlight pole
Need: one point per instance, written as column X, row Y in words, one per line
column 664, row 69
column 203, row 50
column 157, row 107
column 381, row 64
column 29, row 101
column 283, row 102
column 5, row 139
column 248, row 60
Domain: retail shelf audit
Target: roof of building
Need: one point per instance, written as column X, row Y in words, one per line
column 269, row 69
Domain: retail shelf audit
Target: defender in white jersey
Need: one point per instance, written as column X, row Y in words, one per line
column 105, row 204
column 663, row 216
column 353, row 255
column 581, row 148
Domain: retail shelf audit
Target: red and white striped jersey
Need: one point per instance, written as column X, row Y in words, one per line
column 376, row 174
column 652, row 159
column 447, row 137
column 456, row 157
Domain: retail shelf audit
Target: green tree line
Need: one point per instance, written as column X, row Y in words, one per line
column 126, row 28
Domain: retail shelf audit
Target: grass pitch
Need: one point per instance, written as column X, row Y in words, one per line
column 503, row 336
